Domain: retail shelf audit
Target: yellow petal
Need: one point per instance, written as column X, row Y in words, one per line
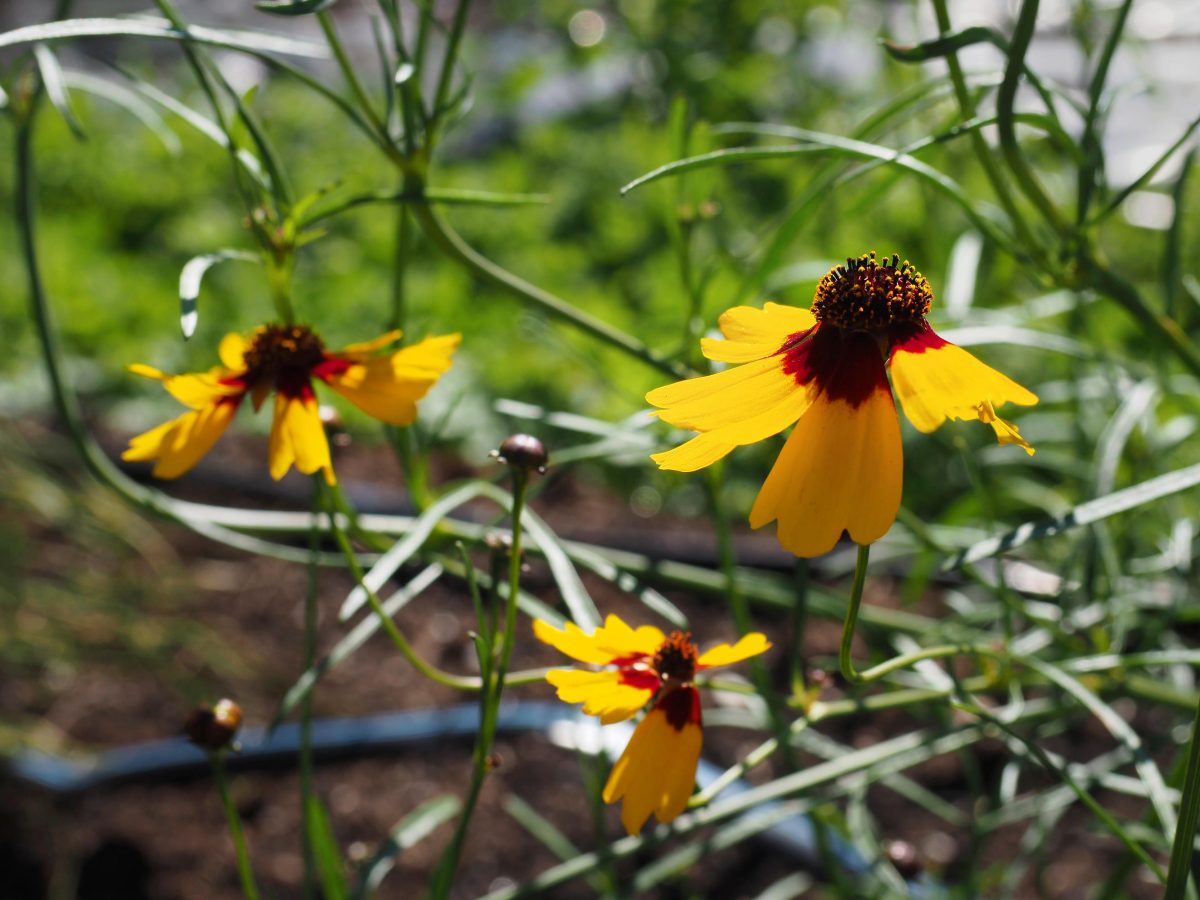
column 232, row 351
column 613, row 640
column 723, row 654
column 1006, row 431
column 840, row 470
column 707, row 448
column 196, row 389
column 734, row 397
column 752, row 333
column 657, row 771
column 297, row 436
column 602, row 694
column 936, row 380
column 366, row 348
column 177, row 445
column 388, row 387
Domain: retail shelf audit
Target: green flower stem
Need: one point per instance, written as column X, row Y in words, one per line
column 458, row 682
column 245, row 871
column 490, row 698
column 739, row 607
column 1005, row 98
column 845, row 663
column 1183, row 846
column 991, row 169
column 450, row 242
column 453, row 42
column 356, row 87
column 309, row 660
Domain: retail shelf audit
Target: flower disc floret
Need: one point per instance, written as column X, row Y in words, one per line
column 675, row 661
column 866, row 295
column 282, row 355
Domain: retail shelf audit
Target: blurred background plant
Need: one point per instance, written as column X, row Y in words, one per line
column 1033, row 162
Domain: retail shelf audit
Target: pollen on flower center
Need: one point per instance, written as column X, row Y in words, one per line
column 865, row 295
column 281, row 353
column 675, row 660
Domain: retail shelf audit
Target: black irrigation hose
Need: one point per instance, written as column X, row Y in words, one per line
column 175, row 760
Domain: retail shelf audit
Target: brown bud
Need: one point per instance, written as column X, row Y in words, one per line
column 335, row 426
column 522, row 451
column 213, row 727
column 903, row 856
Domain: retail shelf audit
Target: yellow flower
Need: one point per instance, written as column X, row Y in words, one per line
column 840, row 469
column 285, row 359
column 657, row 771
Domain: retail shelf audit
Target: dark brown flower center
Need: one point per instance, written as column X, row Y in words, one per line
column 675, row 660
column 865, row 295
column 283, row 354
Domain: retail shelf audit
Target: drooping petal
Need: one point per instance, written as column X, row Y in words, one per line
column 297, row 436
column 936, row 380
column 723, row 654
column 752, row 333
column 840, row 470
column 179, row 444
column 606, row 694
column 388, row 387
column 1006, row 431
column 657, row 771
column 611, row 642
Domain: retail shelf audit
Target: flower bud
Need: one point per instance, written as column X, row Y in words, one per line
column 213, row 727
column 522, row 451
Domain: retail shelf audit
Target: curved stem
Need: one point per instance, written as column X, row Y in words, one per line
column 995, row 175
column 1005, row 98
column 845, row 663
column 356, row 86
column 490, row 701
column 445, row 237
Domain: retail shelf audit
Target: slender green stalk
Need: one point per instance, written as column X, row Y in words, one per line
column 1091, row 139
column 245, row 871
column 356, row 85
column 1184, row 843
column 489, row 712
column 739, row 608
column 845, row 663
column 458, row 682
column 309, row 660
column 1005, row 98
column 995, row 175
column 449, row 61
column 449, row 241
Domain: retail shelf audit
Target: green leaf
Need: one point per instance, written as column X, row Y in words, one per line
column 1184, row 845
column 409, row 832
column 233, row 39
column 293, row 7
column 189, row 284
column 326, row 852
column 128, row 100
column 1083, row 514
column 400, row 552
column 56, row 88
column 575, row 595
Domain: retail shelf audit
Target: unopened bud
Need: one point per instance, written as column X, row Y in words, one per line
column 522, row 451
column 903, row 857
column 213, row 727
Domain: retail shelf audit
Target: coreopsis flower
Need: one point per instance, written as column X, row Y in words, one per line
column 657, row 771
column 285, row 359
column 826, row 370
